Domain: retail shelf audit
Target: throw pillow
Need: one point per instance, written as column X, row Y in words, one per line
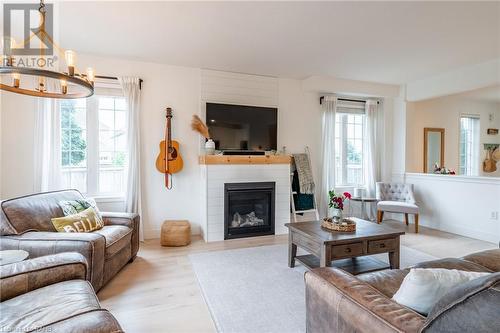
column 85, row 221
column 71, row 207
column 423, row 287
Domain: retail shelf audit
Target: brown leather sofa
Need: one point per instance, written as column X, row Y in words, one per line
column 50, row 294
column 337, row 301
column 25, row 224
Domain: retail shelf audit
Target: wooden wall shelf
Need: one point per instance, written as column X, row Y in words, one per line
column 245, row 159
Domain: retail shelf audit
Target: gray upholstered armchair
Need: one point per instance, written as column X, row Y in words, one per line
column 25, row 224
column 396, row 198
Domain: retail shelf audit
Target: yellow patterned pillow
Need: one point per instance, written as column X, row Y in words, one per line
column 85, row 221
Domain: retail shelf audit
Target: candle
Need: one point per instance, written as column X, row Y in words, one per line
column 64, row 87
column 70, row 57
column 90, row 75
column 16, row 77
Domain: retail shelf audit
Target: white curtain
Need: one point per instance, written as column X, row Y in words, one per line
column 327, row 183
column 132, row 92
column 47, row 146
column 372, row 151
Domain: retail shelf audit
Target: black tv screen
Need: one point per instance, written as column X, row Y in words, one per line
column 239, row 127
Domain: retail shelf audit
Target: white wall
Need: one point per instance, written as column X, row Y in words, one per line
column 444, row 112
column 17, row 140
column 180, row 88
column 459, row 204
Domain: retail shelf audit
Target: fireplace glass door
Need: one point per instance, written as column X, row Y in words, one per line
column 249, row 209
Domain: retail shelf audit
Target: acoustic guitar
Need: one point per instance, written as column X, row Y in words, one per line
column 169, row 160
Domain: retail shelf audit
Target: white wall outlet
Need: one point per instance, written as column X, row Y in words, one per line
column 494, row 215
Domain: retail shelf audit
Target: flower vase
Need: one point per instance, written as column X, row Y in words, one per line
column 337, row 215
column 209, row 147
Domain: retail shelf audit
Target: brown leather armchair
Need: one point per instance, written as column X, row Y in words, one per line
column 50, row 294
column 25, row 224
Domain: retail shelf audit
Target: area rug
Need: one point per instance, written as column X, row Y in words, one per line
column 253, row 290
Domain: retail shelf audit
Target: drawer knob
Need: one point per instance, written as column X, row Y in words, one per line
column 348, row 250
column 382, row 245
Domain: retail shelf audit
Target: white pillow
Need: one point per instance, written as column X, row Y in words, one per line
column 423, row 287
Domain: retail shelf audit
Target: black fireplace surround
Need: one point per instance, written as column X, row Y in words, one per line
column 248, row 209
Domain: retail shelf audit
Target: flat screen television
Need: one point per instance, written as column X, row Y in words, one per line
column 241, row 127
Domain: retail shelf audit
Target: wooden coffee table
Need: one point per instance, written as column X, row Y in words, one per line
column 346, row 250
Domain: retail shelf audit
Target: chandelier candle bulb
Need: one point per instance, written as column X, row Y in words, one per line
column 64, row 87
column 70, row 57
column 90, row 75
column 10, row 58
column 16, row 77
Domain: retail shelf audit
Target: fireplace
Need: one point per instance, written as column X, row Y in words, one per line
column 248, row 209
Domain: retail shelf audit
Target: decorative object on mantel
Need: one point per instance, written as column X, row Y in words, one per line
column 199, row 126
column 169, row 160
column 492, row 131
column 443, row 170
column 337, row 203
column 42, row 88
column 346, row 225
column 490, row 163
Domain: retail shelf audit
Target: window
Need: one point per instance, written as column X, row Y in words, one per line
column 349, row 127
column 469, row 145
column 74, row 144
column 93, row 145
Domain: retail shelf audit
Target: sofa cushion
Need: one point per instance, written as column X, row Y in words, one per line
column 70, row 207
column 470, row 307
column 85, row 221
column 489, row 259
column 423, row 287
column 33, row 212
column 397, row 206
column 387, row 281
column 47, row 305
column 117, row 237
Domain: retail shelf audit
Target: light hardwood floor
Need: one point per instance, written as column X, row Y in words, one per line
column 159, row 291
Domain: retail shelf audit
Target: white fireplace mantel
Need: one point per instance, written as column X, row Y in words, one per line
column 215, row 175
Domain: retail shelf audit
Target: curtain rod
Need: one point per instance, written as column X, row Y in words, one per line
column 345, row 100
column 113, row 78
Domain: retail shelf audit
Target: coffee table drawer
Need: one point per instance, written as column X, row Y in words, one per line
column 347, row 250
column 382, row 245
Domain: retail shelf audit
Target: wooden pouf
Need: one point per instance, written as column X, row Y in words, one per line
column 175, row 233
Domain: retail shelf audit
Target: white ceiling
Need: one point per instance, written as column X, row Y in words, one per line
column 389, row 42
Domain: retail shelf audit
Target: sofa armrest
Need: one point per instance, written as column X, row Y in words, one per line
column 22, row 277
column 130, row 220
column 337, row 301
column 115, row 218
column 91, row 245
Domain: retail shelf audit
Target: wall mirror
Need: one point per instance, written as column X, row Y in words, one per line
column 433, row 148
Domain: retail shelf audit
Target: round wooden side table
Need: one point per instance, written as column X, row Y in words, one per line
column 363, row 201
column 12, row 256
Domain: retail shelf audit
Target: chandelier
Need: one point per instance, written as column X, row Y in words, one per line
column 40, row 81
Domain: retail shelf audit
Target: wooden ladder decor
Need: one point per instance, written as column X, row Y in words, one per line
column 292, row 193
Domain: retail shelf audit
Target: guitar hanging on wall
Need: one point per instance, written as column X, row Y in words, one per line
column 169, row 160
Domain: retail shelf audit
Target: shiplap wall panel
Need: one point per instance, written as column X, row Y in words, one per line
column 215, row 176
column 236, row 88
